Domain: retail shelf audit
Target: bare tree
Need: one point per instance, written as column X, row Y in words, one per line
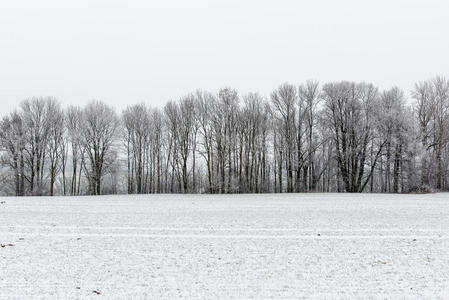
column 12, row 144
column 441, row 93
column 55, row 140
column 186, row 136
column 284, row 100
column 424, row 110
column 350, row 112
column 99, row 128
column 204, row 108
column 136, row 122
column 37, row 126
column 309, row 97
column 73, row 124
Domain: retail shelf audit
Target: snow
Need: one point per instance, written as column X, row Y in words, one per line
column 240, row 246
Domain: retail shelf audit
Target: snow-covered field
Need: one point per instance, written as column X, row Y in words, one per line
column 241, row 246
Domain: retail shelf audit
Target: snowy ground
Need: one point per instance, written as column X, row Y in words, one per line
column 245, row 246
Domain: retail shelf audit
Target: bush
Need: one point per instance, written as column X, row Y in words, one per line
column 420, row 189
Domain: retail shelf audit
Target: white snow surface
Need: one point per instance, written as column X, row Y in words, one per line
column 227, row 246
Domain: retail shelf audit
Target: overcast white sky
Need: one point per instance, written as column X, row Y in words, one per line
column 125, row 52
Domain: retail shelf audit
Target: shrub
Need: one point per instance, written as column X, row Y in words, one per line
column 420, row 189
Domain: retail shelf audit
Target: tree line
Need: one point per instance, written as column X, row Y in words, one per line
column 336, row 137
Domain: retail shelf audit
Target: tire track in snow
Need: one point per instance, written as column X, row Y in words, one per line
column 218, row 233
column 235, row 236
column 55, row 227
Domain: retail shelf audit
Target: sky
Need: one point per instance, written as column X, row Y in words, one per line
column 132, row 51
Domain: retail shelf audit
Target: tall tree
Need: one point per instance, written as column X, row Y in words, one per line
column 284, row 100
column 350, row 111
column 55, row 141
column 99, row 129
column 12, row 145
